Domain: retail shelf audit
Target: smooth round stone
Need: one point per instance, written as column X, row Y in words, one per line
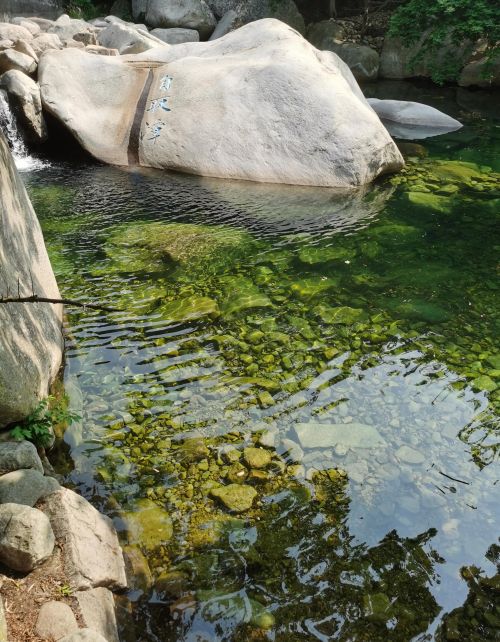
column 236, row 497
column 257, row 457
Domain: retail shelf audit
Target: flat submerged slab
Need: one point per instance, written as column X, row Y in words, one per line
column 314, row 435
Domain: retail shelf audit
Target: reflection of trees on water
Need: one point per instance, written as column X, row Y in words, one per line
column 300, row 563
column 478, row 619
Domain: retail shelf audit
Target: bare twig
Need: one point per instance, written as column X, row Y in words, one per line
column 34, row 298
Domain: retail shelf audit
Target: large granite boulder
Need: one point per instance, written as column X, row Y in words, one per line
column 274, row 110
column 251, row 10
column 31, row 341
column 24, row 98
column 92, row 554
column 189, row 14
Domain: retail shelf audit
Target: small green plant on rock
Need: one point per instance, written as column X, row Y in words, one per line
column 37, row 427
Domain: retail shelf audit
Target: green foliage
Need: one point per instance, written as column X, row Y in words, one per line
column 37, row 427
column 444, row 22
column 86, row 9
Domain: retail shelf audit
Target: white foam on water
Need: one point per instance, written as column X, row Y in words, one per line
column 24, row 160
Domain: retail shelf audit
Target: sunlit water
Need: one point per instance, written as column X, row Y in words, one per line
column 370, row 315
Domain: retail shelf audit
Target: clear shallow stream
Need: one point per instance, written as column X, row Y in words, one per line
column 352, row 336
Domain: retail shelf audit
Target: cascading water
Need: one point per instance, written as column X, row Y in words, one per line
column 8, row 124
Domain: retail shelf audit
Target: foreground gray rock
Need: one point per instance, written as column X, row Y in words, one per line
column 276, row 109
column 55, row 620
column 30, row 334
column 24, row 98
column 97, row 607
column 411, row 120
column 88, row 537
column 25, row 487
column 26, row 537
column 16, row 455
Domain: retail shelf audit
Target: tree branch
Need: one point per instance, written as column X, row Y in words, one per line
column 34, row 298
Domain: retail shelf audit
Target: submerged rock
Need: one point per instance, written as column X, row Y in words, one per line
column 189, row 309
column 148, row 525
column 257, row 457
column 314, row 435
column 143, row 113
column 152, row 247
column 406, row 119
column 237, row 497
column 241, row 294
column 343, row 315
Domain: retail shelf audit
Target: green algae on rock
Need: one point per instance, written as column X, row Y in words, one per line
column 148, row 525
column 238, row 498
column 189, row 309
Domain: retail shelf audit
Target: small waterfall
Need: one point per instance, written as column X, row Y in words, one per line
column 8, row 123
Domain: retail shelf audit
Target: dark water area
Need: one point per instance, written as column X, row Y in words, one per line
column 351, row 337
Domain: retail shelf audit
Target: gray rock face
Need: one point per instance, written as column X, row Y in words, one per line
column 314, row 435
column 25, row 487
column 97, row 607
column 411, row 120
column 127, row 39
column 83, row 635
column 251, row 10
column 323, row 35
column 92, row 554
column 362, row 61
column 396, row 60
column 43, row 8
column 481, row 73
column 139, row 8
column 176, row 36
column 281, row 111
column 24, row 98
column 12, row 59
column 190, row 14
column 26, row 537
column 55, row 620
column 229, row 22
column 30, row 335
column 16, row 455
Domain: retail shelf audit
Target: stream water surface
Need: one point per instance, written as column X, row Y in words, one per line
column 292, row 417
